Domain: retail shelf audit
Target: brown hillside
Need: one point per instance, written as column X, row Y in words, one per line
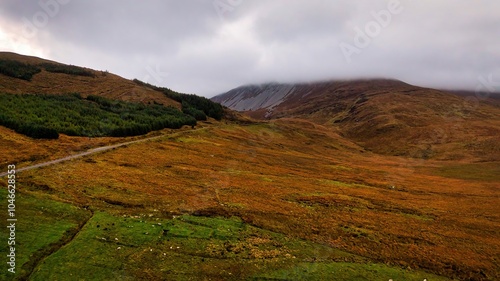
column 300, row 179
column 103, row 84
column 385, row 116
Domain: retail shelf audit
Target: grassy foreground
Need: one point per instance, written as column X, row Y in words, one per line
column 43, row 227
column 193, row 248
column 59, row 241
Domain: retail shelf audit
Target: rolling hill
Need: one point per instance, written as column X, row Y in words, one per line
column 385, row 116
column 42, row 99
column 100, row 83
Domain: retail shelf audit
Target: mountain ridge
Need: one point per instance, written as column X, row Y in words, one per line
column 382, row 115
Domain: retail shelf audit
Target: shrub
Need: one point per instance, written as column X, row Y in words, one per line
column 67, row 69
column 18, row 69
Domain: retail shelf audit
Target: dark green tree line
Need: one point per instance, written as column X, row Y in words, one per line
column 18, row 69
column 44, row 116
column 67, row 69
column 191, row 103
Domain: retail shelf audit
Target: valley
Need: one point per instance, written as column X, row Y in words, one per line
column 343, row 181
column 373, row 209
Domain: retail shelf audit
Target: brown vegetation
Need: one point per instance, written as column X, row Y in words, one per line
column 393, row 118
column 102, row 84
column 303, row 182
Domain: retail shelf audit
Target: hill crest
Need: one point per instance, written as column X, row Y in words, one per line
column 99, row 83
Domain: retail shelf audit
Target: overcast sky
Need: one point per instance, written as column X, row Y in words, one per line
column 208, row 47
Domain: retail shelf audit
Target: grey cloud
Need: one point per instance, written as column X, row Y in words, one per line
column 447, row 44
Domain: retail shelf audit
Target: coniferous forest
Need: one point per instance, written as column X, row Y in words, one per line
column 196, row 106
column 45, row 116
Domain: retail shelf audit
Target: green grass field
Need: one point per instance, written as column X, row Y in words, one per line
column 144, row 247
column 43, row 226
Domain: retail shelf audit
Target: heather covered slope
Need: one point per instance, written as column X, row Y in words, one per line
column 285, row 199
column 384, row 116
column 100, row 83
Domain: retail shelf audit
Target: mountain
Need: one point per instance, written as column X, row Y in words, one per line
column 385, row 116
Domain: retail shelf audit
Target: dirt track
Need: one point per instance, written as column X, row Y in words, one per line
column 88, row 152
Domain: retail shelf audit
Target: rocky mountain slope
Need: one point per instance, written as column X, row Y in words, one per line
column 384, row 116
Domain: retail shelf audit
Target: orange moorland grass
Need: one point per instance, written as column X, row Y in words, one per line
column 297, row 178
column 393, row 118
column 25, row 151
